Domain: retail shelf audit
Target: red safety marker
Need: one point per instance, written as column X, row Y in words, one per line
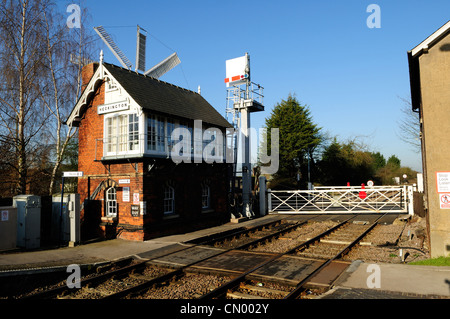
column 362, row 194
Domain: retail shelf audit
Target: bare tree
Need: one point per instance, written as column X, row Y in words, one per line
column 21, row 69
column 67, row 48
column 38, row 87
column 409, row 126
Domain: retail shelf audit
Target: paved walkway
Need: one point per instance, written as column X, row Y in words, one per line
column 379, row 280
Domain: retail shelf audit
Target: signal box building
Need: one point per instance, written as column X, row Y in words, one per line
column 429, row 67
column 132, row 188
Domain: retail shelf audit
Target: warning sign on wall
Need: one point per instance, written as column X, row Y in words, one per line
column 444, row 201
column 135, row 198
column 125, row 194
column 443, row 182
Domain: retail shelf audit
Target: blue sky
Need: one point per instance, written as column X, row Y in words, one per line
column 352, row 77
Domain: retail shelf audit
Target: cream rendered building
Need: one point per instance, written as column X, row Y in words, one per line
column 429, row 68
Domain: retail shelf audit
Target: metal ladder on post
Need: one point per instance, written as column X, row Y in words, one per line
column 232, row 95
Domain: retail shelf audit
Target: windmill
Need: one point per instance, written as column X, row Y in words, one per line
column 156, row 71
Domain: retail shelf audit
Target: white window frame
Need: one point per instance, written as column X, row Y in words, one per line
column 153, row 144
column 120, row 143
column 159, row 139
column 133, row 143
column 213, row 138
column 162, row 144
column 206, row 192
column 169, row 200
column 111, row 202
column 171, row 125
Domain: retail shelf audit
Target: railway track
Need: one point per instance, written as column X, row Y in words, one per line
column 162, row 277
column 343, row 230
column 110, row 277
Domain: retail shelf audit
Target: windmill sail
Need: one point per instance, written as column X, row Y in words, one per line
column 140, row 50
column 164, row 66
column 156, row 72
column 113, row 47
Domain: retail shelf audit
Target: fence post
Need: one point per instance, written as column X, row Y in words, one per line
column 410, row 200
column 262, row 196
column 269, row 200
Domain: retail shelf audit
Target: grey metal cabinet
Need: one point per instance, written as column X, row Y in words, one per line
column 28, row 221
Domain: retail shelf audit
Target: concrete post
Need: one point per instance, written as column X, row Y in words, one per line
column 246, row 167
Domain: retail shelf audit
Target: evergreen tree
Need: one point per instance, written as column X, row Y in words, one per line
column 394, row 161
column 298, row 137
column 378, row 160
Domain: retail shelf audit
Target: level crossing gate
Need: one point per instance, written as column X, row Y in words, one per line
column 342, row 199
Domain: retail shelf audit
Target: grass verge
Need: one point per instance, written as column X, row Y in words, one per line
column 440, row 261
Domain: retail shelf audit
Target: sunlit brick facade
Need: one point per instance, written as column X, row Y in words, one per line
column 136, row 191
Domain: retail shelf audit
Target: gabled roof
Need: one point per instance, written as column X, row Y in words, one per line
column 413, row 62
column 160, row 97
column 431, row 40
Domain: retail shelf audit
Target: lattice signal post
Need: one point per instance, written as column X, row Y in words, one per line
column 243, row 98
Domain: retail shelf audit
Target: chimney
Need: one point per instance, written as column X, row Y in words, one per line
column 87, row 73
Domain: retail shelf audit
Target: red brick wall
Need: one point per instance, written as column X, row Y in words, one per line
column 90, row 151
column 186, row 179
column 90, row 129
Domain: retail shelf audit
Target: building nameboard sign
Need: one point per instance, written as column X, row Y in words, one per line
column 113, row 107
column 72, row 174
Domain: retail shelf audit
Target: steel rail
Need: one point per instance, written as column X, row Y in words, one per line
column 180, row 271
column 299, row 288
column 129, row 268
column 236, row 281
column 100, row 277
column 270, row 236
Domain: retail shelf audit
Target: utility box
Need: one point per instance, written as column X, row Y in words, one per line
column 66, row 226
column 28, row 221
column 8, row 228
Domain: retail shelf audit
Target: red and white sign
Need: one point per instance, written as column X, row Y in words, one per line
column 235, row 78
column 237, row 70
column 135, row 198
column 444, row 201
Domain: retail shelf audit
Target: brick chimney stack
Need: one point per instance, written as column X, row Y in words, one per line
column 86, row 74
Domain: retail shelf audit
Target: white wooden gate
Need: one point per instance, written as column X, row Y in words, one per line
column 345, row 199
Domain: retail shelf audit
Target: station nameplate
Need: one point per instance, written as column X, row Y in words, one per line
column 113, row 107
